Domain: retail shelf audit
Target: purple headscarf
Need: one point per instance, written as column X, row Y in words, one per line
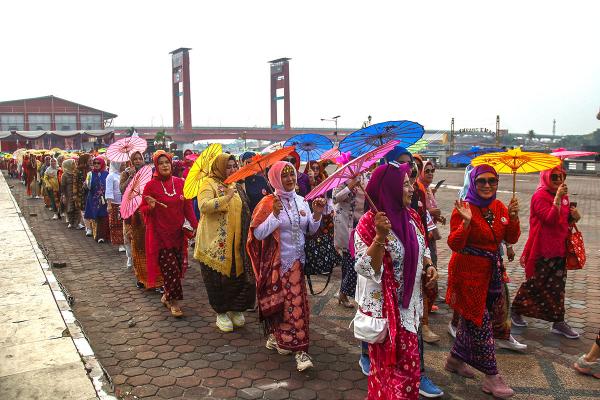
column 385, row 188
column 472, row 195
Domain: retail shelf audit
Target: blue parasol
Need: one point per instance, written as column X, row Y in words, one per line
column 373, row 136
column 465, row 157
column 309, row 146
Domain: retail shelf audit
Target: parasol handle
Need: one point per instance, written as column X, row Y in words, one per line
column 514, row 183
column 159, row 203
column 368, row 197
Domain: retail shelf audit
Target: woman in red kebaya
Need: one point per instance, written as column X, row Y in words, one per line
column 165, row 211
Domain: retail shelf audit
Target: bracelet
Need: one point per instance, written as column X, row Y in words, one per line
column 378, row 243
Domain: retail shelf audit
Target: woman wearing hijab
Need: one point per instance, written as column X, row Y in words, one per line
column 166, row 210
column 220, row 245
column 66, row 190
column 276, row 247
column 134, row 231
column 113, row 198
column 41, row 170
column 302, row 180
column 542, row 295
column 476, row 274
column 501, row 323
column 95, row 205
column 80, row 190
column 390, row 250
column 51, row 187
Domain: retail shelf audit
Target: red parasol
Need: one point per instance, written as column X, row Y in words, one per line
column 132, row 198
column 351, row 170
column 563, row 153
column 122, row 149
column 259, row 164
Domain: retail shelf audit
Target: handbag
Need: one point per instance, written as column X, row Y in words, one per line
column 575, row 249
column 369, row 329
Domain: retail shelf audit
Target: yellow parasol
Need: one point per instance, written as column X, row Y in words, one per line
column 200, row 170
column 517, row 162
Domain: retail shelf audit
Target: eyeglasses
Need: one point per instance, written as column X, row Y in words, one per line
column 430, row 171
column 290, row 159
column 96, row 163
column 315, row 168
column 557, row 177
column 413, row 174
column 490, row 181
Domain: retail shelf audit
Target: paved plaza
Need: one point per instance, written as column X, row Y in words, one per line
column 146, row 353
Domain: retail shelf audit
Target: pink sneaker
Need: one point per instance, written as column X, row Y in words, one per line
column 494, row 385
column 458, row 367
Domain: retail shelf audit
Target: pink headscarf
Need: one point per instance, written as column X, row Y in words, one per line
column 274, row 176
column 545, row 180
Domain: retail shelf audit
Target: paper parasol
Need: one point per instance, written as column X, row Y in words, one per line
column 122, row 149
column 517, row 162
column 200, row 170
column 132, row 198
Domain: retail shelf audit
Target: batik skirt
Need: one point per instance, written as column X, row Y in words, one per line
column 100, row 228
column 348, row 285
column 543, row 295
column 116, row 224
column 400, row 381
column 228, row 293
column 137, row 233
column 292, row 332
column 170, row 262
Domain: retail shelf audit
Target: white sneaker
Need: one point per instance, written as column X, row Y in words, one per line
column 69, row 226
column 224, row 323
column 55, row 217
column 272, row 345
column 121, row 249
column 237, row 318
column 452, row 330
column 80, row 226
column 303, row 361
column 88, row 232
column 129, row 263
column 100, row 240
column 511, row 344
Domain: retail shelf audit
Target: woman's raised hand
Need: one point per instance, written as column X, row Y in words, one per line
column 464, row 211
column 382, row 225
column 277, row 207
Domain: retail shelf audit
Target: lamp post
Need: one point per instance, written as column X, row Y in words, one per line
column 335, row 120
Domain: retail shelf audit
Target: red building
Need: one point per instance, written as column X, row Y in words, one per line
column 49, row 121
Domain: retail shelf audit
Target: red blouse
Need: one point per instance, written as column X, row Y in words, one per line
column 469, row 275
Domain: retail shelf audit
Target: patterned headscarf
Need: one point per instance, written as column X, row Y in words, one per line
column 155, row 157
column 472, row 196
column 68, row 166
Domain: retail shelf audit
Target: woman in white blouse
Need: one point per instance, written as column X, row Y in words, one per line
column 390, row 252
column 276, row 248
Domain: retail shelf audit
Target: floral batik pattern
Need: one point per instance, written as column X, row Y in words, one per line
column 170, row 262
column 475, row 345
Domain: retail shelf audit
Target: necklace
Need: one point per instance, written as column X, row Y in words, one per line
column 165, row 189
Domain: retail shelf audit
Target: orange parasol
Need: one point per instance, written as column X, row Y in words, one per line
column 259, row 164
column 517, row 162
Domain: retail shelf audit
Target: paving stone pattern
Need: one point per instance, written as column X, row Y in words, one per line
column 149, row 354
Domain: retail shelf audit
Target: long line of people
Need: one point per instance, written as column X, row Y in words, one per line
column 251, row 248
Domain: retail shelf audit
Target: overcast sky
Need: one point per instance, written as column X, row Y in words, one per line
column 427, row 61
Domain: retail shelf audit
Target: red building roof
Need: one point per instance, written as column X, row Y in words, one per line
column 49, row 104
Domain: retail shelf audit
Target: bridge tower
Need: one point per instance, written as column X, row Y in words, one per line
column 181, row 88
column 280, row 79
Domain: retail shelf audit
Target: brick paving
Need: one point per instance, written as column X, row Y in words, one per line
column 149, row 354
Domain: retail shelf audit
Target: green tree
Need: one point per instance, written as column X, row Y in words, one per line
column 160, row 139
column 530, row 135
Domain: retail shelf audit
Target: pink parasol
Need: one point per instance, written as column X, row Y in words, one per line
column 351, row 170
column 563, row 153
column 122, row 149
column 330, row 154
column 132, row 198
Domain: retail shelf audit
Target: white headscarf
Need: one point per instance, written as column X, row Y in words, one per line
column 115, row 167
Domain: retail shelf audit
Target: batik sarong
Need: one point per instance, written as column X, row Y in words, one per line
column 228, row 293
column 543, row 295
column 170, row 262
column 292, row 332
column 116, row 224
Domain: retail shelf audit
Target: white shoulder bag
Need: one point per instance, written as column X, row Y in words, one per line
column 369, row 329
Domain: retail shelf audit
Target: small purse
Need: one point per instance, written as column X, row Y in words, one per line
column 575, row 249
column 369, row 329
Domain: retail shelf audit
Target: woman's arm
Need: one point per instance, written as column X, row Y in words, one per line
column 188, row 211
column 368, row 263
column 267, row 227
column 459, row 232
column 342, row 195
column 110, row 190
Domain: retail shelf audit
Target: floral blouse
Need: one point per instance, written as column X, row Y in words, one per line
column 368, row 289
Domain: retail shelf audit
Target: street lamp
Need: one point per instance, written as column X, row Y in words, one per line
column 335, row 120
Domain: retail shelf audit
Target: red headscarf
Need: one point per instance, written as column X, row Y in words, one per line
column 102, row 166
column 157, row 154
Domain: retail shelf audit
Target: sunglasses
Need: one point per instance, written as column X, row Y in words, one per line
column 430, row 171
column 490, row 181
column 557, row 177
column 96, row 163
column 315, row 168
column 413, row 174
column 290, row 160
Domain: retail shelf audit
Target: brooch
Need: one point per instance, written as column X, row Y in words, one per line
column 303, row 213
column 504, row 221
